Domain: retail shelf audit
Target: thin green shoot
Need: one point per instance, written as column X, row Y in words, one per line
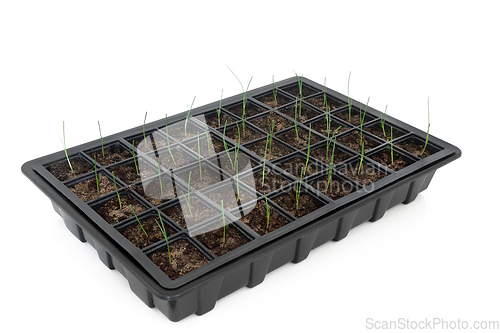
column 237, row 149
column 220, row 106
column 264, row 166
column 300, row 93
column 295, row 124
column 362, row 155
column 133, row 211
column 65, row 151
column 144, row 128
column 382, row 120
column 331, row 166
column 187, row 116
column 116, row 189
column 348, row 98
column 428, row 126
column 208, row 139
column 102, row 141
column 362, row 119
column 168, row 140
column 199, row 156
column 159, row 178
column 392, row 150
column 237, row 183
column 268, row 211
column 308, row 147
column 275, row 94
column 271, row 131
column 325, row 104
column 95, row 171
column 299, row 186
column 223, row 222
column 133, row 155
column 244, row 97
column 226, row 148
column 188, row 196
column 329, row 141
column 164, row 233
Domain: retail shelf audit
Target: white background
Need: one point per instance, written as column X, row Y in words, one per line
column 113, row 60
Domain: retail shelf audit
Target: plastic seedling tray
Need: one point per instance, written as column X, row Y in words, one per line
column 215, row 250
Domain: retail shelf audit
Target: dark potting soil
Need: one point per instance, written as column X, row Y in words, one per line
column 376, row 129
column 87, row 189
column 112, row 154
column 302, row 141
column 244, row 137
column 384, row 157
column 153, row 142
column 250, row 110
column 353, row 141
column 112, row 213
column 320, row 126
column 265, row 123
column 303, row 112
column 335, row 189
column 212, row 119
column 182, row 131
column 272, row 182
column 366, row 176
column 277, row 150
column 180, row 158
column 268, row 99
column 208, row 177
column 415, row 147
column 288, row 202
column 157, row 193
column 128, row 173
column 319, row 102
column 200, row 212
column 355, row 117
column 339, row 155
column 62, row 171
column 296, row 164
column 257, row 219
column 136, row 235
column 294, row 90
column 216, row 146
column 220, row 242
column 185, row 258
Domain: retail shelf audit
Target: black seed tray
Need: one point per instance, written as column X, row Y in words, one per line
column 198, row 290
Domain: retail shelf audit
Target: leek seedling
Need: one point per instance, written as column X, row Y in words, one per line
column 164, row 233
column 95, row 171
column 362, row 155
column 237, row 183
column 144, row 129
column 188, row 196
column 299, row 186
column 187, row 116
column 159, row 178
column 331, row 166
column 275, row 94
column 382, row 119
column 225, row 145
column 348, row 98
column 428, row 126
column 264, row 166
column 271, row 131
column 308, row 147
column 65, row 151
column 329, row 142
column 362, row 119
column 208, row 139
column 237, row 150
column 168, row 141
column 135, row 161
column 102, row 141
column 116, row 189
column 392, row 149
column 199, row 155
column 220, row 106
column 300, row 93
column 223, row 222
column 244, row 97
column 268, row 212
column 133, row 211
column 295, row 124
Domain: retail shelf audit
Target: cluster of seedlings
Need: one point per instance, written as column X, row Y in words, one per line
column 199, row 188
